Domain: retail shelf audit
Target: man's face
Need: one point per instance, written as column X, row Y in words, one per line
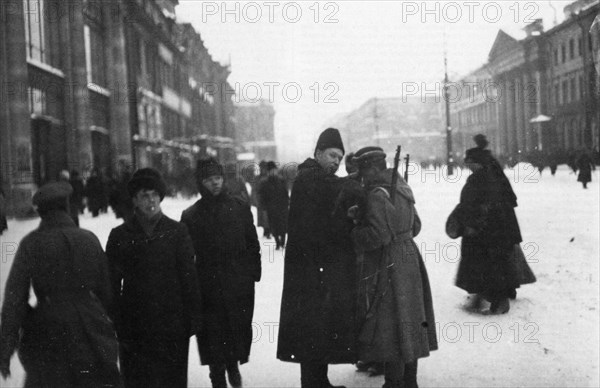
column 368, row 175
column 214, row 184
column 147, row 202
column 329, row 159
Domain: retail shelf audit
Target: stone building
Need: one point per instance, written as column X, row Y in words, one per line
column 535, row 94
column 255, row 129
column 410, row 121
column 100, row 83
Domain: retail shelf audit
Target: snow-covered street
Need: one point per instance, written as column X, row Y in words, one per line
column 550, row 336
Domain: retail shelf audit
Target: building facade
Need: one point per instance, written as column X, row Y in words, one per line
column 101, row 83
column 255, row 129
column 535, row 95
column 411, row 121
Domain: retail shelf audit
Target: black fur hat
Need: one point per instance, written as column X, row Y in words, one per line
column 330, row 138
column 149, row 179
column 208, row 167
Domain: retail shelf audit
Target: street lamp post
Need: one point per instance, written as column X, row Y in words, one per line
column 450, row 159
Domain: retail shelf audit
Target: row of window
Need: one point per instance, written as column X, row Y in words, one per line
column 572, row 49
column 570, row 89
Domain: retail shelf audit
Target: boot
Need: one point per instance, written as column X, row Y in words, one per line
column 217, row 375
column 233, row 373
column 376, row 369
column 500, row 306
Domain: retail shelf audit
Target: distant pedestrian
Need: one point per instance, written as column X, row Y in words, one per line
column 154, row 280
column 585, row 167
column 318, row 305
column 262, row 219
column 3, row 223
column 235, row 184
column 65, row 176
column 78, row 191
column 119, row 199
column 95, row 191
column 67, row 339
column 228, row 265
column 275, row 197
column 395, row 304
column 490, row 266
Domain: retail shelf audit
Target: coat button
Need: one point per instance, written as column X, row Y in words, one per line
column 321, row 269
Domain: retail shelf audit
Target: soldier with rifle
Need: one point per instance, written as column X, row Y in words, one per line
column 396, row 320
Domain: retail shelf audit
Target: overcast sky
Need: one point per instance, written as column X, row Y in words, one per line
column 319, row 60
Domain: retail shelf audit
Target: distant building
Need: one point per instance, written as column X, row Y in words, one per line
column 387, row 122
column 536, row 94
column 95, row 83
column 255, row 132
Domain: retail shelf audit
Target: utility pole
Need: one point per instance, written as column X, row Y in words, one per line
column 450, row 159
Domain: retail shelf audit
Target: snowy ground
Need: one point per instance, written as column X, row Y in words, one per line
column 549, row 337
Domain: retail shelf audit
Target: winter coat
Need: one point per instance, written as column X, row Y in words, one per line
column 486, row 207
column 274, row 195
column 318, row 305
column 157, row 304
column 262, row 219
column 68, row 339
column 395, row 303
column 228, row 263
column 585, row 166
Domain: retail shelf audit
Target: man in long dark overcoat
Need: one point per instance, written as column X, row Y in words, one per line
column 397, row 323
column 318, row 302
column 154, row 279
column 275, row 197
column 228, row 263
column 67, row 339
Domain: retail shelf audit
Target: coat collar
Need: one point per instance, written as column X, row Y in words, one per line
column 56, row 219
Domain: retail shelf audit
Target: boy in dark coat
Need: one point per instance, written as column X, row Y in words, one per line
column 318, row 306
column 155, row 283
column 67, row 339
column 398, row 325
column 228, row 263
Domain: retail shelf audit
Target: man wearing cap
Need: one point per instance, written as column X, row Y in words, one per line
column 154, row 280
column 397, row 325
column 228, row 263
column 318, row 301
column 66, row 340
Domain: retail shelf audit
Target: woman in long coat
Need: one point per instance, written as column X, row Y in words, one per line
column 395, row 309
column 154, row 279
column 68, row 339
column 490, row 265
column 228, row 263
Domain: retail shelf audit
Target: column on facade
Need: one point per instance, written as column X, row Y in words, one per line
column 117, row 78
column 529, row 95
column 519, row 128
column 15, row 136
column 510, row 115
column 78, row 135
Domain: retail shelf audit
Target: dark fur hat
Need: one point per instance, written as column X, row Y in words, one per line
column 208, row 167
column 148, row 179
column 366, row 156
column 330, row 138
